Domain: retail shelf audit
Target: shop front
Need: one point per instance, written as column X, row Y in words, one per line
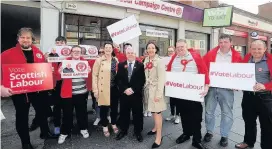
column 86, row 22
column 246, row 29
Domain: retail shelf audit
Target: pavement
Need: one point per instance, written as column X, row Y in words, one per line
column 10, row 139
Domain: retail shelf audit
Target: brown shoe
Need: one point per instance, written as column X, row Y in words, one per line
column 242, row 145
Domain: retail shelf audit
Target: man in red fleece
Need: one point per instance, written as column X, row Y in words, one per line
column 26, row 52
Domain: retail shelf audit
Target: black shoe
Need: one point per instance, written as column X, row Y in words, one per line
column 121, row 135
column 139, row 137
column 151, row 133
column 155, row 145
column 182, row 138
column 27, row 146
column 199, row 145
column 224, row 142
column 33, row 127
column 208, row 137
column 48, row 135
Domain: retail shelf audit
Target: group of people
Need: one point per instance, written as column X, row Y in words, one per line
column 136, row 85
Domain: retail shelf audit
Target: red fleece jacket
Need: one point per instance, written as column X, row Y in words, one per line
column 201, row 67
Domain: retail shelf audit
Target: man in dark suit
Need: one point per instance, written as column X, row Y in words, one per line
column 130, row 80
column 68, row 69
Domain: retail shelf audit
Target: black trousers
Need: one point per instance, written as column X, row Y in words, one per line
column 79, row 102
column 114, row 96
column 135, row 104
column 191, row 118
column 174, row 108
column 253, row 106
column 57, row 104
column 22, row 104
column 93, row 99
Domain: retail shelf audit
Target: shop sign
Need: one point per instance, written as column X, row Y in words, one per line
column 124, row 30
column 254, row 34
column 264, row 38
column 217, row 17
column 235, row 33
column 156, row 33
column 247, row 22
column 71, row 6
column 159, row 7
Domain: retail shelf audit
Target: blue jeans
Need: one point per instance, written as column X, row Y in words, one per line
column 225, row 98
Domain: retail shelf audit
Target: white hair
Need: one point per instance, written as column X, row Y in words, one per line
column 259, row 42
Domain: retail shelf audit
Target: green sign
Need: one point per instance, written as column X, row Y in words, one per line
column 218, row 17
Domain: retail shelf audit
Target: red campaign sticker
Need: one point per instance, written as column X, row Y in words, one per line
column 149, row 65
column 81, row 67
column 260, row 69
column 25, row 78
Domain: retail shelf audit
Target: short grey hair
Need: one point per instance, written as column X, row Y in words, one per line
column 25, row 30
column 258, row 42
column 181, row 40
column 225, row 36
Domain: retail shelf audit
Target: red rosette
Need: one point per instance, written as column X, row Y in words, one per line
column 126, row 66
column 149, row 65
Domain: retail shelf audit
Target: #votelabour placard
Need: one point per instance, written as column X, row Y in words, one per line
column 124, row 30
column 239, row 76
column 59, row 53
column 25, row 78
column 184, row 85
column 74, row 69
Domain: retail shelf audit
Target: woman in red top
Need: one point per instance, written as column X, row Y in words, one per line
column 74, row 93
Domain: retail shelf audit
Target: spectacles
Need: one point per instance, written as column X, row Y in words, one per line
column 101, row 52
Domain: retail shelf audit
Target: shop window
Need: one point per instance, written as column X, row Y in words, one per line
column 87, row 30
column 162, row 37
column 197, row 41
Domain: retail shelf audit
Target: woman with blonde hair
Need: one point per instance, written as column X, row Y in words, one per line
column 154, row 90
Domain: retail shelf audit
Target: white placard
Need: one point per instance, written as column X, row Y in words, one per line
column 58, row 53
column 184, row 85
column 89, row 51
column 156, row 33
column 239, row 76
column 2, row 115
column 74, row 69
column 166, row 60
column 124, row 30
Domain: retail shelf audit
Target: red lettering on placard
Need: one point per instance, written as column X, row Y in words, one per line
column 183, row 85
column 231, row 75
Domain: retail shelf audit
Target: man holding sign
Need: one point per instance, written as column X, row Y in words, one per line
column 258, row 103
column 24, row 53
column 190, row 111
column 223, row 53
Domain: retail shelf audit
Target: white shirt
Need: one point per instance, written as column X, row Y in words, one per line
column 190, row 67
column 223, row 58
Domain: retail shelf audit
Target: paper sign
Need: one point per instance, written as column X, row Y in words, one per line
column 74, row 69
column 2, row 115
column 25, row 78
column 184, row 85
column 124, row 30
column 166, row 60
column 240, row 76
column 89, row 51
column 156, row 33
column 58, row 53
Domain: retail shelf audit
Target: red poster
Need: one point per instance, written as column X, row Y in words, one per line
column 25, row 78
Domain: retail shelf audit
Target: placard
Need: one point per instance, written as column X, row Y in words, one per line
column 89, row 51
column 124, row 30
column 58, row 53
column 240, row 76
column 184, row 85
column 26, row 78
column 74, row 69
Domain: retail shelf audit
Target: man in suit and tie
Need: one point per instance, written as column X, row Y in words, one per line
column 130, row 80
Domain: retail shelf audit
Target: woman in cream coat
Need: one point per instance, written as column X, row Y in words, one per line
column 105, row 87
column 154, row 90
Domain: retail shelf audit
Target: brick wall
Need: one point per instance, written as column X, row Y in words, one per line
column 265, row 10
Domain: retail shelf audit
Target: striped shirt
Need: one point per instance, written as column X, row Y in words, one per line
column 223, row 58
column 190, row 67
column 78, row 86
